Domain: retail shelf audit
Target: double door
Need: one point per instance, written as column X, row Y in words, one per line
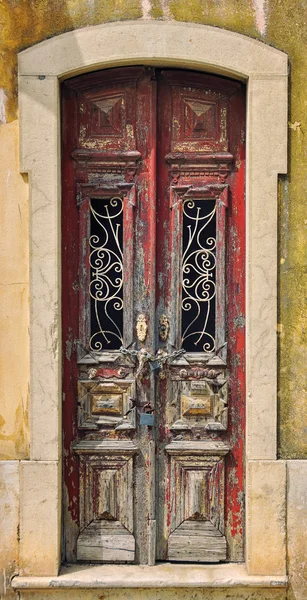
column 153, row 316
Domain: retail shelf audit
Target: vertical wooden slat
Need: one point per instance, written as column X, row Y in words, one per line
column 221, row 206
column 128, row 247
column 144, row 302
column 70, row 324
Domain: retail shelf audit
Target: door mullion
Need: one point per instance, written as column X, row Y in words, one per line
column 152, row 442
column 144, row 304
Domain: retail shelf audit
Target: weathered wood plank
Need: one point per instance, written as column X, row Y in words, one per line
column 106, row 542
column 197, row 541
column 152, row 542
column 204, row 447
column 117, row 447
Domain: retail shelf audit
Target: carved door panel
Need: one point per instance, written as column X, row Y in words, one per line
column 153, row 316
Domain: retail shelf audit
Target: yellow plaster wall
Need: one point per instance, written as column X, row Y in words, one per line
column 14, row 300
column 276, row 22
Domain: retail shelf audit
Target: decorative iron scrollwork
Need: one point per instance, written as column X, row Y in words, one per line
column 198, row 275
column 106, row 279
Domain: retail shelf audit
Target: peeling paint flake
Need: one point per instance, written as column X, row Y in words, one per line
column 3, row 100
column 7, row 178
column 295, row 126
column 260, row 7
column 146, row 8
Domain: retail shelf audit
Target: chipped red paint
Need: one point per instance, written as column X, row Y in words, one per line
column 70, row 304
column 235, row 286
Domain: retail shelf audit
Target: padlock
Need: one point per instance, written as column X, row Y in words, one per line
column 147, row 419
column 154, row 365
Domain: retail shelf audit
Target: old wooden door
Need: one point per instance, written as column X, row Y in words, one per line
column 153, row 316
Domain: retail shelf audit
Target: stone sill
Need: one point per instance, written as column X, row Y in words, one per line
column 164, row 575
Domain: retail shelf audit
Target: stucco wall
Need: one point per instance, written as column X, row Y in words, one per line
column 282, row 25
column 26, row 22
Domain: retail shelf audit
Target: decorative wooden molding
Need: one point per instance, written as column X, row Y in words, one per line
column 106, row 501
column 215, row 166
column 95, row 161
column 207, row 191
column 197, row 373
column 103, row 372
column 106, row 404
column 200, row 115
column 87, row 191
column 203, row 448
column 197, row 501
column 125, row 447
column 116, row 359
column 200, row 358
column 201, row 403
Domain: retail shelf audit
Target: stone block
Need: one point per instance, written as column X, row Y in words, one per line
column 40, row 518
column 9, row 515
column 266, row 514
column 296, row 529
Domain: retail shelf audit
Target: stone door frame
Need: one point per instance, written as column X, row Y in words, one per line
column 180, row 45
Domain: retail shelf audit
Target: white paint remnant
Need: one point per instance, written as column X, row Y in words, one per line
column 260, row 7
column 3, row 99
column 7, row 178
column 166, row 9
column 296, row 126
column 146, row 8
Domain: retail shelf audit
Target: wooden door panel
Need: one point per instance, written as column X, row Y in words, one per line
column 201, row 153
column 198, row 398
column 197, row 501
column 109, row 152
column 153, row 409
column 107, row 110
column 106, row 502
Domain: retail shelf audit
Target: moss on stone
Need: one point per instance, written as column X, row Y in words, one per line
column 156, row 9
column 237, row 15
column 24, row 23
column 287, row 30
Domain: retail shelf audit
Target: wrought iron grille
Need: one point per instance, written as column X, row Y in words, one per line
column 106, row 273
column 198, row 302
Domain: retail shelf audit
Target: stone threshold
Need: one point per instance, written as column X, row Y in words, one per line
column 164, row 575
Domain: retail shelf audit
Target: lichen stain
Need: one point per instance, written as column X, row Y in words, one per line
column 158, row 10
column 287, row 30
column 236, row 15
column 27, row 22
column 15, row 443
